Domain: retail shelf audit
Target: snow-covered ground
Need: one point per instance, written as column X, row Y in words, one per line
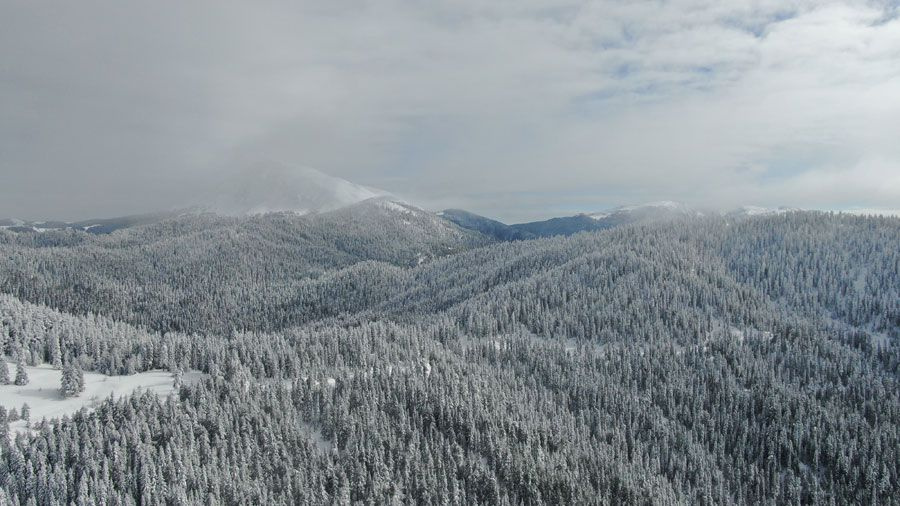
column 43, row 397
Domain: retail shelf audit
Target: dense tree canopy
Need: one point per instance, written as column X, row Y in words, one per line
column 701, row 361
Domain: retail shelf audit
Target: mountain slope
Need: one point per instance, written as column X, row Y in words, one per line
column 245, row 266
column 592, row 222
column 255, row 190
column 92, row 226
column 702, row 361
column 567, row 225
column 486, row 226
column 746, row 211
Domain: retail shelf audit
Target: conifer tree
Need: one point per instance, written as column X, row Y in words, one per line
column 4, row 427
column 21, row 371
column 4, row 372
column 79, row 378
column 72, row 381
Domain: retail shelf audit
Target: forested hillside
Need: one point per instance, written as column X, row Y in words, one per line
column 380, row 355
column 203, row 272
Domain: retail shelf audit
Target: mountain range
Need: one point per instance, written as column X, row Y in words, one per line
column 354, row 348
column 275, row 188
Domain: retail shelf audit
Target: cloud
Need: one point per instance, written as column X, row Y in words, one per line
column 515, row 109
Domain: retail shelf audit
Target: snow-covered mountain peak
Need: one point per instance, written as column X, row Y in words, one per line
column 397, row 205
column 662, row 206
column 268, row 188
column 760, row 211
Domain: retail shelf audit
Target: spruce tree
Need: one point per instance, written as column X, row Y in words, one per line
column 21, row 372
column 67, row 386
column 4, row 427
column 4, row 373
column 79, row 378
column 72, row 381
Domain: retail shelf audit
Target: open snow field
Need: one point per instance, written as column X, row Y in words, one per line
column 42, row 391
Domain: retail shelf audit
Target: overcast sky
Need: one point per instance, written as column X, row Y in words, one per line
column 516, row 109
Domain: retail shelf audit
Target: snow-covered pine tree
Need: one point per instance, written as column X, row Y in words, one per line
column 79, row 378
column 21, row 372
column 4, row 373
column 72, row 381
column 66, row 385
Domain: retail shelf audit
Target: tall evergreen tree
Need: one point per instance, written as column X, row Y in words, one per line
column 72, row 380
column 21, row 371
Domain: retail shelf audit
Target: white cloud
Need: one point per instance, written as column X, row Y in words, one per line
column 510, row 108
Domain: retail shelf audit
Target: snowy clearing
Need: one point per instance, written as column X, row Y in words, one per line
column 43, row 397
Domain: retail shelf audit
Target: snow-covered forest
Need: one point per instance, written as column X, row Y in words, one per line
column 382, row 355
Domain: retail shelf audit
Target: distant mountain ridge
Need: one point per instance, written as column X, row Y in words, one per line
column 588, row 222
column 269, row 187
column 568, row 225
column 333, row 194
column 93, row 226
column 760, row 211
column 486, row 226
column 258, row 189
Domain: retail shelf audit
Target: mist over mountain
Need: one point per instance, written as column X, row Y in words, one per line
column 271, row 187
